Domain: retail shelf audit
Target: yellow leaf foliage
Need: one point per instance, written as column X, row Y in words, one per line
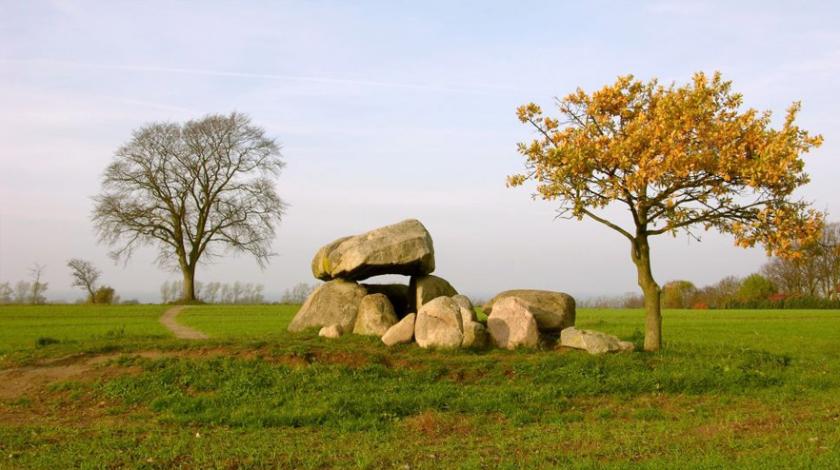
column 680, row 157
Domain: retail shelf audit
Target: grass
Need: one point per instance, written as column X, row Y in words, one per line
column 751, row 389
column 27, row 326
column 239, row 321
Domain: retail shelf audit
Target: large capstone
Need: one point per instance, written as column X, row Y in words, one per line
column 403, row 248
column 333, row 303
column 553, row 311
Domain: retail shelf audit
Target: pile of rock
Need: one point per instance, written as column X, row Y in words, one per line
column 344, row 305
column 428, row 309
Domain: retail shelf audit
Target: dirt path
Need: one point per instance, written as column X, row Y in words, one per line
column 31, row 380
column 168, row 319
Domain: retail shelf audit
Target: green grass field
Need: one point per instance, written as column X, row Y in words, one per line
column 745, row 389
column 21, row 326
column 253, row 321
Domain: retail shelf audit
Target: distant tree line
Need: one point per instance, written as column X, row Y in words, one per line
column 816, row 274
column 215, row 292
column 809, row 281
column 84, row 274
column 297, row 294
column 26, row 292
column 753, row 291
column 233, row 293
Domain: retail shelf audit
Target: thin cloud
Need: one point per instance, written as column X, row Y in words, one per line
column 476, row 89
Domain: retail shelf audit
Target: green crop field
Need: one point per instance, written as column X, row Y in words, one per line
column 23, row 325
column 743, row 389
column 252, row 321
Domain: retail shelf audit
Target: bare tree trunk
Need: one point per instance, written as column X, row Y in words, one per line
column 188, row 294
column 653, row 313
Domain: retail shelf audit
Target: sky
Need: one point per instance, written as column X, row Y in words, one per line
column 385, row 111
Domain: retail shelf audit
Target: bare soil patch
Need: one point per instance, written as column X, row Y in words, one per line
column 24, row 382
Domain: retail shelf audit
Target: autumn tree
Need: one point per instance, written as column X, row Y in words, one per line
column 678, row 294
column 85, row 276
column 191, row 190
column 755, row 287
column 677, row 158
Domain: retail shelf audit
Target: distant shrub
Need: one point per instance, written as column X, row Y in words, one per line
column 45, row 341
column 105, row 295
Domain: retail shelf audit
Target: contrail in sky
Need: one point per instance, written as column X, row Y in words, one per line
column 478, row 89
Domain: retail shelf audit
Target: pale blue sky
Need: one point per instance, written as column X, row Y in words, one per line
column 386, row 110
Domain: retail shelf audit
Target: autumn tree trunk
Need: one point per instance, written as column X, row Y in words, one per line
column 653, row 314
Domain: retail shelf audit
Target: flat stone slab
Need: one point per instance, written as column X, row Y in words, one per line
column 403, row 248
column 593, row 342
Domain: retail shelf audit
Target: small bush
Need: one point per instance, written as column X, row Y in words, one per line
column 45, row 341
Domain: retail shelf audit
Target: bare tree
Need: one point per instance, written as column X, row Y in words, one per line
column 816, row 273
column 22, row 290
column 257, row 294
column 298, row 293
column 6, row 293
column 829, row 261
column 85, row 276
column 211, row 292
column 236, row 292
column 227, row 294
column 721, row 294
column 171, row 291
column 190, row 189
column 164, row 292
column 199, row 290
column 793, row 277
column 37, row 288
